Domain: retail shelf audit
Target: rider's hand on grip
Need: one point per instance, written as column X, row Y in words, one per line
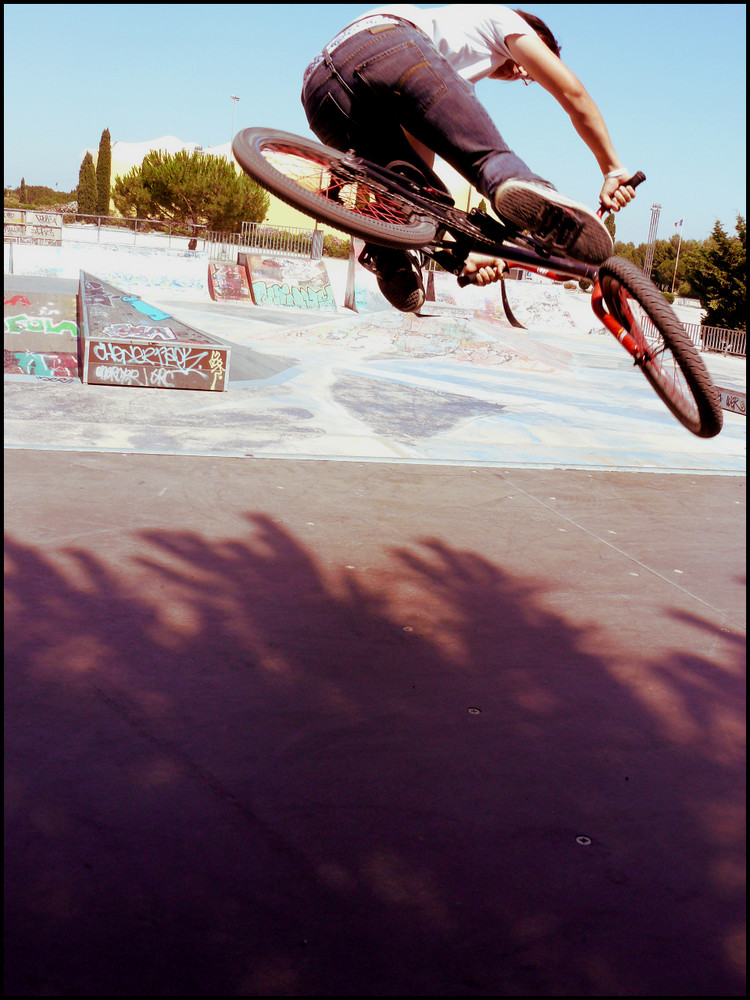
column 613, row 190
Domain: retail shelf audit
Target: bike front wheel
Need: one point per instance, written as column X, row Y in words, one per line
column 333, row 187
column 661, row 347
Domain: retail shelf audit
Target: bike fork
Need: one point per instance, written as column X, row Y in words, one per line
column 611, row 324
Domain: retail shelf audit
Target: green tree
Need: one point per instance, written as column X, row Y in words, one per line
column 191, row 189
column 718, row 275
column 103, row 174
column 86, row 195
column 22, row 196
column 609, row 222
column 637, row 255
column 665, row 256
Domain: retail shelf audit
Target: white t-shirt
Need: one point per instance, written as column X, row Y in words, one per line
column 470, row 36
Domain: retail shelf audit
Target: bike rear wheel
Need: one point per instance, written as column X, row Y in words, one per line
column 333, row 187
column 661, row 347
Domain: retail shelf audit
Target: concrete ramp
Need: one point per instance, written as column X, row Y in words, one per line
column 289, row 281
column 229, row 283
column 40, row 334
column 126, row 341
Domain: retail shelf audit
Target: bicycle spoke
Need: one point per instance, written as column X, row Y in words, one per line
column 333, row 183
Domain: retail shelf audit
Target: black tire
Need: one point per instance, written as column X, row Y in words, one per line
column 320, row 182
column 665, row 354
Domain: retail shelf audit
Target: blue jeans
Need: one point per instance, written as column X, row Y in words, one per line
column 383, row 78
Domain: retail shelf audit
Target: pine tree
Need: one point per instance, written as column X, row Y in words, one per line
column 87, row 186
column 103, row 174
column 719, row 276
column 22, row 194
column 191, row 190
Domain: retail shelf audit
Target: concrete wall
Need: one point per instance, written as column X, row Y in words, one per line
column 174, row 274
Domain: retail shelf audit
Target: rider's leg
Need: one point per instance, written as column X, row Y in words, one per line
column 375, row 82
column 338, row 119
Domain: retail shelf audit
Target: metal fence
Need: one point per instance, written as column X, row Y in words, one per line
column 714, row 338
column 130, row 230
column 707, row 338
column 256, row 236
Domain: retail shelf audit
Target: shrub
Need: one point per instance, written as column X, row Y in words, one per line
column 336, row 246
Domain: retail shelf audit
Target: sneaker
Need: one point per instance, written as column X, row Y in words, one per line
column 399, row 276
column 561, row 225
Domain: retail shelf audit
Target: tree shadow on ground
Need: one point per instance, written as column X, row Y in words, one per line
column 233, row 771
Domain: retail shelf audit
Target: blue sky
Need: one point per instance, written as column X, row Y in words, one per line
column 669, row 80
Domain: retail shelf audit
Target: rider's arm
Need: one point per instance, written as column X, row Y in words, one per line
column 548, row 70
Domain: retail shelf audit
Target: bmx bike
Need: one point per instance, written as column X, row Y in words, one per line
column 396, row 207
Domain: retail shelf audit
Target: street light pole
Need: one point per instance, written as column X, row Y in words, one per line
column 655, row 213
column 234, row 108
column 677, row 259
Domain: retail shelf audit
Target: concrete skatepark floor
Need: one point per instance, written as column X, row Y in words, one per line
column 387, row 387
column 370, row 713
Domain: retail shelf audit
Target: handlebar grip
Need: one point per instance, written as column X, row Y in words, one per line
column 636, row 179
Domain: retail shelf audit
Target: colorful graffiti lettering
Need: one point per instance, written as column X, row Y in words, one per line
column 27, row 360
column 17, row 300
column 39, row 364
column 285, row 295
column 183, row 359
column 38, row 324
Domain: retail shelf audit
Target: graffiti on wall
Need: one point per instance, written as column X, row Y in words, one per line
column 289, row 281
column 120, row 348
column 40, row 335
column 26, row 226
column 156, row 366
column 22, row 324
column 228, row 283
column 33, row 364
column 733, row 401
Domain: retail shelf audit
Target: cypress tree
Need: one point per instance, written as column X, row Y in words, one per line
column 22, row 193
column 87, row 186
column 103, row 174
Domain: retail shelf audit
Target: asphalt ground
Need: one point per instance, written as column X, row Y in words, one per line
column 361, row 712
